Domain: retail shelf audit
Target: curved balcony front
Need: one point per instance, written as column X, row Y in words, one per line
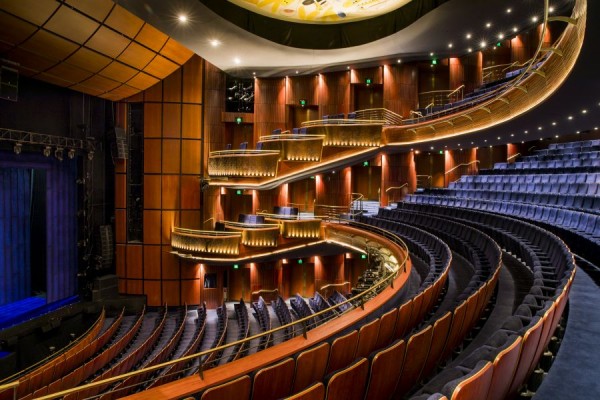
column 347, row 133
column 255, row 235
column 243, row 163
column 295, row 147
column 188, row 241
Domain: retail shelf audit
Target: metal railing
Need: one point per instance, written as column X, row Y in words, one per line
column 380, row 114
column 354, row 198
column 396, row 188
column 470, row 170
column 423, row 181
column 513, row 157
column 305, row 323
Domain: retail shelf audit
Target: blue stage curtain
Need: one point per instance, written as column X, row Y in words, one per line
column 15, row 234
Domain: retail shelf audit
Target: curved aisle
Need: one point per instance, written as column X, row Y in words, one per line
column 574, row 372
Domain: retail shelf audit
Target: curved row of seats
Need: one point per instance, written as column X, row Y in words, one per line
column 558, row 177
column 48, row 371
column 583, row 188
column 283, row 316
column 213, row 358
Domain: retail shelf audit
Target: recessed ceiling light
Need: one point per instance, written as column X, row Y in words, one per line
column 237, row 60
column 483, row 43
column 551, row 9
column 431, row 54
column 488, row 25
column 449, row 45
column 570, row 117
column 431, row 147
column 485, row 141
column 553, row 123
column 595, row 128
column 578, row 132
column 470, row 50
column 515, row 29
column 534, row 18
column 501, row 36
column 522, row 141
column 508, row 10
column 471, row 142
column 584, row 111
column 399, row 61
column 182, row 18
column 468, row 36
column 297, row 71
column 539, row 128
column 499, row 137
column 348, row 67
column 215, row 43
column 526, row 132
column 254, row 73
column 556, row 136
column 541, row 138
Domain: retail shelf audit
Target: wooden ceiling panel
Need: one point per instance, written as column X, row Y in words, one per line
column 70, row 73
column 13, row 30
column 142, row 81
column 53, row 79
column 49, row 45
column 29, row 60
column 97, row 9
column 118, row 71
column 160, row 66
column 125, row 22
column 137, row 56
column 88, row 60
column 176, row 52
column 121, row 92
column 151, row 37
column 108, row 42
column 34, row 11
column 72, row 25
column 101, row 83
column 87, row 89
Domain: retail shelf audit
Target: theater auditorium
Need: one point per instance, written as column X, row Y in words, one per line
column 299, row 199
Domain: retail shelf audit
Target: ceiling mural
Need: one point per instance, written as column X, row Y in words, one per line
column 321, row 11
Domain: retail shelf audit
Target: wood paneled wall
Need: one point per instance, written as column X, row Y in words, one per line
column 334, row 93
column 400, row 88
column 302, row 87
column 334, row 189
column 457, row 157
column 396, row 170
column 172, row 164
column 433, row 164
column 487, row 156
column 269, row 106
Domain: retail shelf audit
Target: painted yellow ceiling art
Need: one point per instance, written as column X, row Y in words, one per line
column 321, row 11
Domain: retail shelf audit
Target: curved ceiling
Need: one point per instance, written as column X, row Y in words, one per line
column 321, row 11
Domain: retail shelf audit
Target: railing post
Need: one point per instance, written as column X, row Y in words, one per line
column 201, row 370
column 304, row 330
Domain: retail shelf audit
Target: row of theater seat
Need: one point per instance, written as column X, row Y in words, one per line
column 590, row 189
column 534, row 178
column 588, row 155
column 261, row 313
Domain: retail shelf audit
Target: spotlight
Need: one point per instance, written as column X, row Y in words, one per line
column 18, row 148
column 71, row 153
column 47, row 150
column 58, row 153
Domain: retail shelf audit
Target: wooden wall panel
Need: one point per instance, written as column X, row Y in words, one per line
column 269, row 106
column 172, row 87
column 400, row 88
column 190, row 157
column 190, row 292
column 170, row 219
column 361, row 75
column 192, row 80
column 121, row 260
column 334, row 93
column 134, row 261
column 302, row 87
column 457, row 72
column 121, row 226
column 171, row 292
column 152, row 262
column 152, row 291
column 334, row 189
column 171, row 160
column 171, row 120
column 120, row 191
column 397, row 170
column 170, row 264
column 191, row 121
column 170, row 192
column 190, row 192
column 455, row 161
column 152, row 120
column 193, row 220
column 152, row 156
column 135, row 286
column 152, row 227
column 152, row 192
column 214, row 99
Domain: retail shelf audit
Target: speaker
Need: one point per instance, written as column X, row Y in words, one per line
column 9, row 83
column 121, row 143
column 107, row 245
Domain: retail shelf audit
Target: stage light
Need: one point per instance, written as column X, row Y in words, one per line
column 71, row 153
column 18, row 148
column 47, row 150
column 58, row 153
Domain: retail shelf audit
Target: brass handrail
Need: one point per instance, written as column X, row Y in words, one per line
column 248, row 226
column 456, row 90
column 396, row 187
column 513, row 156
column 291, row 136
column 361, row 296
column 265, row 291
column 462, row 165
column 243, row 152
column 417, row 113
column 334, row 285
column 195, row 232
column 8, row 386
column 531, row 148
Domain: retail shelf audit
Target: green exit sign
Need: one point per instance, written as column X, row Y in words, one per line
column 433, row 62
column 302, row 102
column 368, row 81
column 300, row 261
column 238, row 120
column 236, row 266
column 363, row 256
column 238, row 192
column 365, row 163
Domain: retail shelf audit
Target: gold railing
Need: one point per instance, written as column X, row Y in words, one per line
column 396, row 188
column 329, row 212
column 512, row 158
column 379, row 114
column 299, row 147
column 359, row 134
column 356, row 199
column 423, row 181
column 393, row 267
column 323, row 289
column 441, row 97
column 496, row 72
column 341, row 121
column 470, row 170
column 10, row 386
column 301, row 228
column 243, row 163
column 208, row 242
column 255, row 235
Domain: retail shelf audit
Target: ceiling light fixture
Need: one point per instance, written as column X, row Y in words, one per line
column 18, row 147
column 215, row 43
column 237, row 61
column 501, row 36
column 399, row 61
column 182, row 18
column 449, row 45
column 470, row 50
column 508, row 10
column 553, row 123
column 468, row 36
column 58, row 153
column 539, row 128
column 551, row 9
column 483, row 44
column 534, row 19
column 71, row 154
column 570, row 117
column 488, row 25
column 431, row 54
column 515, row 29
column 584, row 111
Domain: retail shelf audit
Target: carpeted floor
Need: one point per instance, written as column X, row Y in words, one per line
column 575, row 373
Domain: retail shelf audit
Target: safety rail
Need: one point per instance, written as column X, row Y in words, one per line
column 13, row 385
column 423, row 181
column 379, row 114
column 513, row 157
column 290, row 136
column 243, row 152
column 395, row 188
column 495, row 72
column 323, row 289
column 460, row 89
column 342, row 121
column 469, row 171
column 354, row 198
column 392, row 268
